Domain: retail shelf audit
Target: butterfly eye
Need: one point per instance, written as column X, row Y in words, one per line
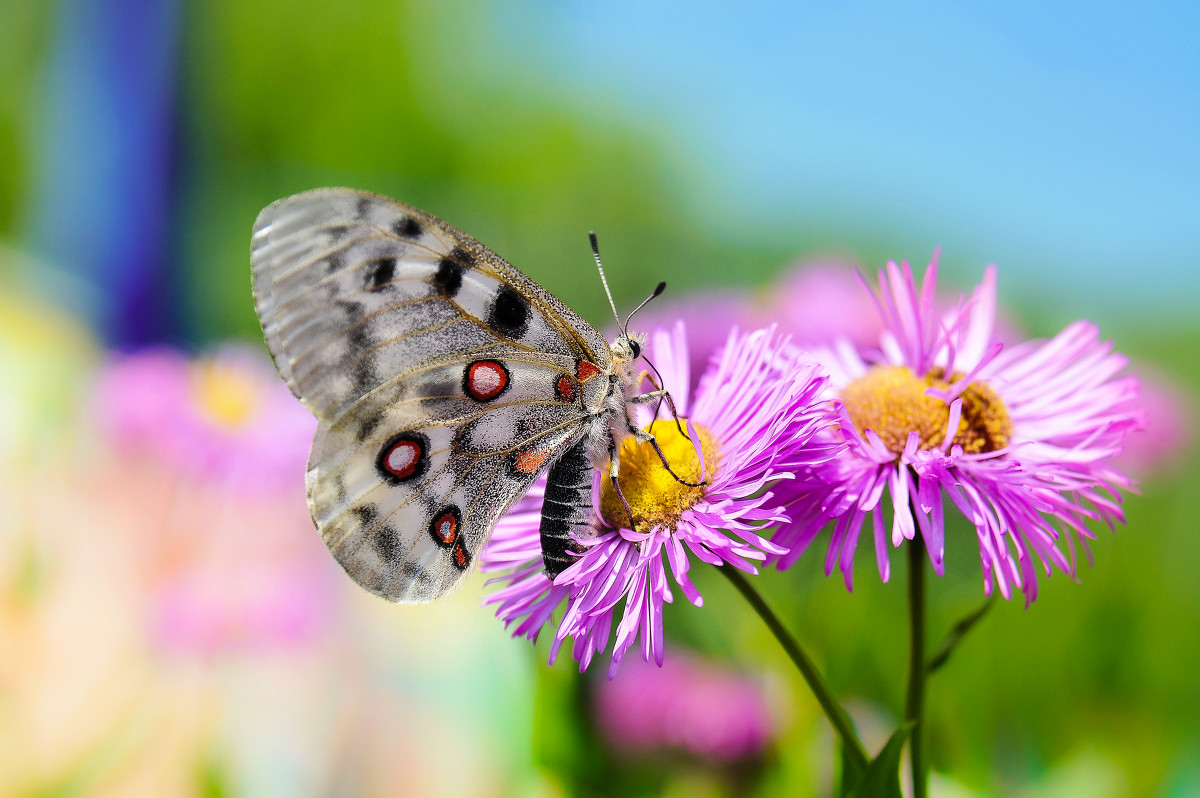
column 636, row 348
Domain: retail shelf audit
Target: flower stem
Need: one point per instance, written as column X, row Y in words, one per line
column 914, row 709
column 855, row 752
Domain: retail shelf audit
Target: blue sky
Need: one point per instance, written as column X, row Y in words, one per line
column 1059, row 141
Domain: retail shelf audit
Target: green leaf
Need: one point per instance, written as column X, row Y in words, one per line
column 849, row 776
column 882, row 779
column 956, row 635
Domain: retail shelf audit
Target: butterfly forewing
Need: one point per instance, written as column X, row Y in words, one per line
column 328, row 263
column 444, row 380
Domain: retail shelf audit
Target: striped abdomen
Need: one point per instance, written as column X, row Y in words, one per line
column 567, row 509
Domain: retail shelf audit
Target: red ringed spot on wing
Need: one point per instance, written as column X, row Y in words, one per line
column 484, row 380
column 565, row 388
column 403, row 457
column 460, row 556
column 444, row 526
column 585, row 370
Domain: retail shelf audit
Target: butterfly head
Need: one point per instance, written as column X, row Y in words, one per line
column 626, row 348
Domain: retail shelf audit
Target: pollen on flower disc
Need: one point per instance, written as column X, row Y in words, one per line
column 891, row 401
column 986, row 425
column 657, row 498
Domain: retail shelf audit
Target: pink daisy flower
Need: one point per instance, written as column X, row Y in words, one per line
column 755, row 419
column 1017, row 438
column 708, row 317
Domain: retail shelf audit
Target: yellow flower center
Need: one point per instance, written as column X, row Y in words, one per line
column 224, row 395
column 891, row 401
column 656, row 498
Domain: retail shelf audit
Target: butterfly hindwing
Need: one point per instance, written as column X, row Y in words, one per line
column 444, row 380
column 406, row 511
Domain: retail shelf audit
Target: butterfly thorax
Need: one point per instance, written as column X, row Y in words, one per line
column 625, row 381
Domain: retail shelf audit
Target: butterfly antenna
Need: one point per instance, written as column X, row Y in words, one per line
column 658, row 289
column 603, row 279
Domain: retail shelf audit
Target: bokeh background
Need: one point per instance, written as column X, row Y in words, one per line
column 169, row 621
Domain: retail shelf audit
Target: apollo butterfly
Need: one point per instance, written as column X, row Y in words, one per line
column 444, row 380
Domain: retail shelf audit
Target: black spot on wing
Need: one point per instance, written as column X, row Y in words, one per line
column 363, row 207
column 355, row 311
column 408, row 227
column 368, row 426
column 334, row 263
column 449, row 276
column 415, row 573
column 386, row 543
column 337, row 233
column 462, row 256
column 363, row 374
column 361, row 338
column 509, row 313
column 379, row 273
column 365, row 513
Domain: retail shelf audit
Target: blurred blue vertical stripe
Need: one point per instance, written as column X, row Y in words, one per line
column 104, row 185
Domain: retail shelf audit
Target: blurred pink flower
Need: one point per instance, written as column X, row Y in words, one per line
column 232, row 572
column 819, row 302
column 1168, row 430
column 206, row 476
column 224, row 418
column 814, row 303
column 688, row 705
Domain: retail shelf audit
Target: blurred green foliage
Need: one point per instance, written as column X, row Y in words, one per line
column 403, row 99
column 24, row 29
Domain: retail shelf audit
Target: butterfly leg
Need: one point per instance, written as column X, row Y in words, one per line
column 660, row 395
column 614, row 470
column 646, row 437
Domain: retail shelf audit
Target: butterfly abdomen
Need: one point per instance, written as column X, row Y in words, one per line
column 567, row 508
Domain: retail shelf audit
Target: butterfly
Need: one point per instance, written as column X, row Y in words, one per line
column 444, row 381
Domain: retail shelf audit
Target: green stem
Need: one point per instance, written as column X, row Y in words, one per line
column 855, row 752
column 914, row 709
